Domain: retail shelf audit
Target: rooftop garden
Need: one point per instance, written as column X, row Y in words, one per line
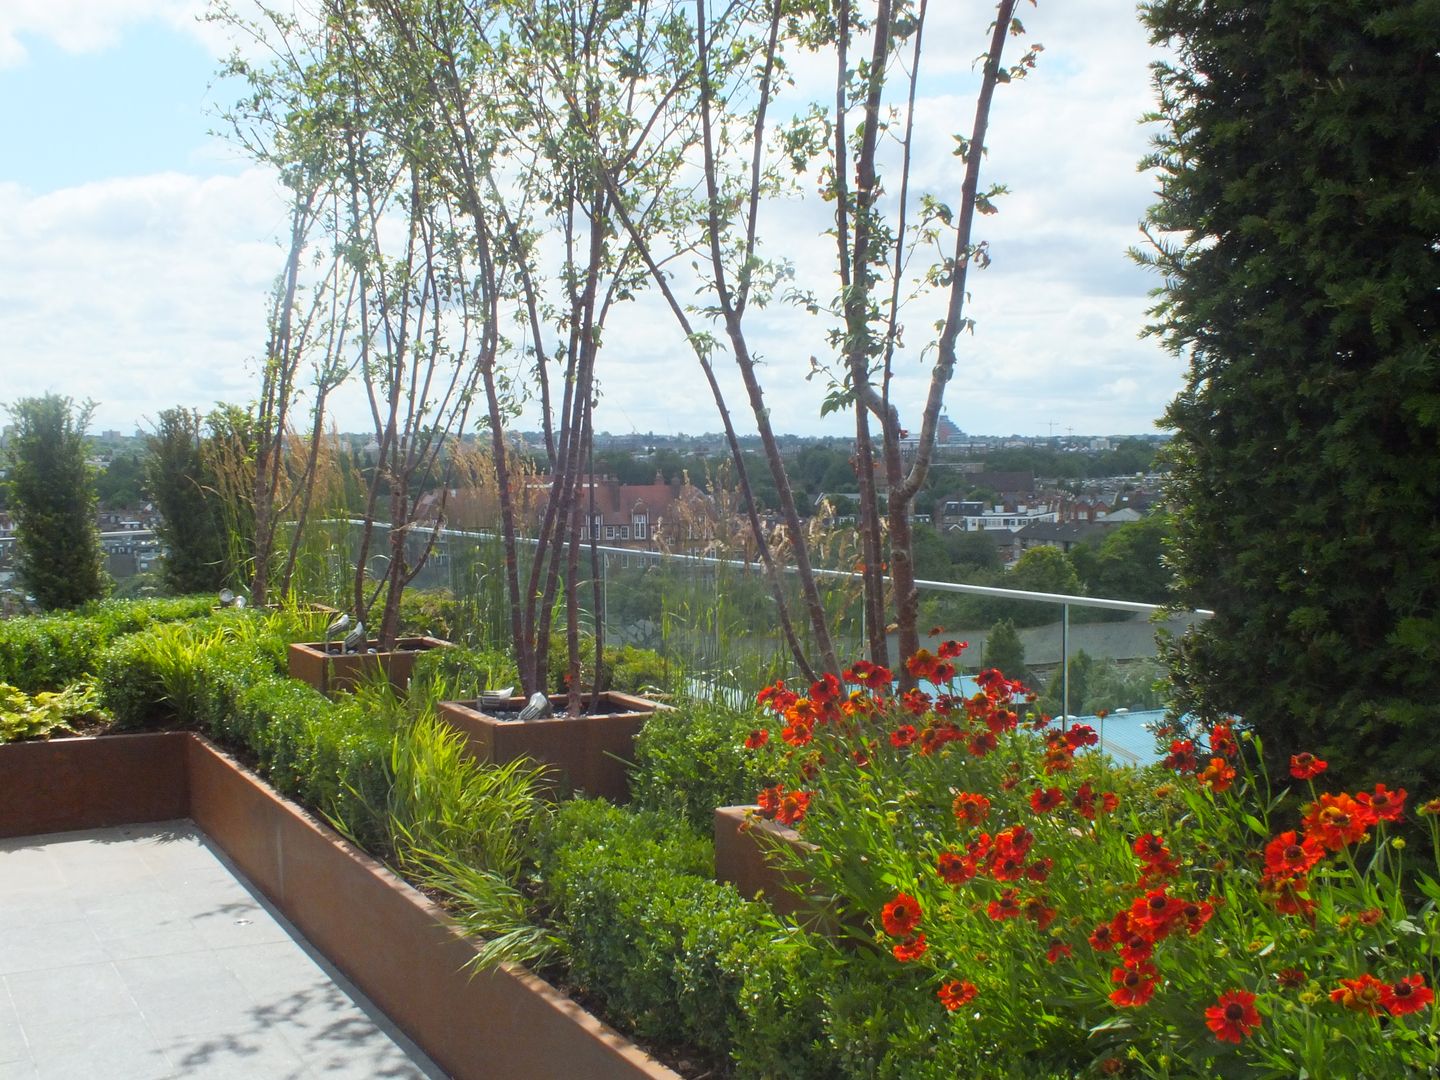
column 959, row 879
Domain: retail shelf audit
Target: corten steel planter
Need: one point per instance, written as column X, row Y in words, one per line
column 586, row 753
column 330, row 671
column 747, row 854
column 402, row 950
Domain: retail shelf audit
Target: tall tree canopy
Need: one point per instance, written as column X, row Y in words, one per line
column 1297, row 232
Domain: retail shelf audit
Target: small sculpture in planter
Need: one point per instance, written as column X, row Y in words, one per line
column 590, row 752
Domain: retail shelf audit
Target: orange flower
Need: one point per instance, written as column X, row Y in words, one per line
column 1306, row 766
column 757, row 738
column 901, row 916
column 1366, row 994
column 793, row 807
column 1217, row 776
column 1233, row 1017
column 1337, row 820
column 956, row 993
column 970, row 809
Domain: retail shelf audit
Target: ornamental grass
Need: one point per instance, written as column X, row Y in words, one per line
column 1037, row 907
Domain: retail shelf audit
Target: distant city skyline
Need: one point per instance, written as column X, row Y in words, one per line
column 137, row 251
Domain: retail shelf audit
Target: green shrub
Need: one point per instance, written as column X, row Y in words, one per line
column 693, row 759
column 152, row 678
column 630, row 669
column 672, row 954
column 47, row 652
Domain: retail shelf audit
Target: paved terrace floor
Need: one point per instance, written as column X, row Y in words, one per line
column 139, row 953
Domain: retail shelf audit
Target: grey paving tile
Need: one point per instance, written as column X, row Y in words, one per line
column 184, row 992
column 126, row 1038
column 57, row 945
column 13, row 1047
column 29, row 909
column 240, row 1055
column 54, row 1005
column 25, row 872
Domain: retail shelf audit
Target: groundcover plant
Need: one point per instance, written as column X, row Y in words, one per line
column 1035, row 902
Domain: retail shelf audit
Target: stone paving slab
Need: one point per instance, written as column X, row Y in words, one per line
column 138, row 953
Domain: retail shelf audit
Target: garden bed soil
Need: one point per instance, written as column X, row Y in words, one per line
column 398, row 947
column 590, row 753
column 330, row 671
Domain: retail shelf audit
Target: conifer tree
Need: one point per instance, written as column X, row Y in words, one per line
column 52, row 494
column 1297, row 234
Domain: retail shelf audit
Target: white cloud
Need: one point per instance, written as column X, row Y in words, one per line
column 83, row 26
column 139, row 293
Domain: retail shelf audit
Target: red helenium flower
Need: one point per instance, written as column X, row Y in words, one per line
column 1287, row 855
column 1385, row 804
column 757, row 738
column 1043, row 800
column 1135, row 985
column 912, row 948
column 1306, row 766
column 1409, row 995
column 901, row 916
column 1234, row 1016
column 956, row 993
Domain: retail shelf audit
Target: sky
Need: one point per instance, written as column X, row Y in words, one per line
column 137, row 249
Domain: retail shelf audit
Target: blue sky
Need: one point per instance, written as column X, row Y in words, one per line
column 131, row 110
column 137, row 251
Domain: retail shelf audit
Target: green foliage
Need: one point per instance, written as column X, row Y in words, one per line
column 152, row 678
column 121, row 484
column 49, row 651
column 1129, row 563
column 692, row 759
column 682, row 960
column 1297, row 167
column 461, row 674
column 52, row 493
column 184, row 489
column 23, row 716
column 467, row 830
column 1004, row 650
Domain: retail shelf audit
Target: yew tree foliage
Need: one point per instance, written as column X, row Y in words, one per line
column 1297, row 232
column 52, row 492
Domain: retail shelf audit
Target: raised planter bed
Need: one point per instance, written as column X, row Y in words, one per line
column 748, row 855
column 589, row 753
column 330, row 671
column 398, row 947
